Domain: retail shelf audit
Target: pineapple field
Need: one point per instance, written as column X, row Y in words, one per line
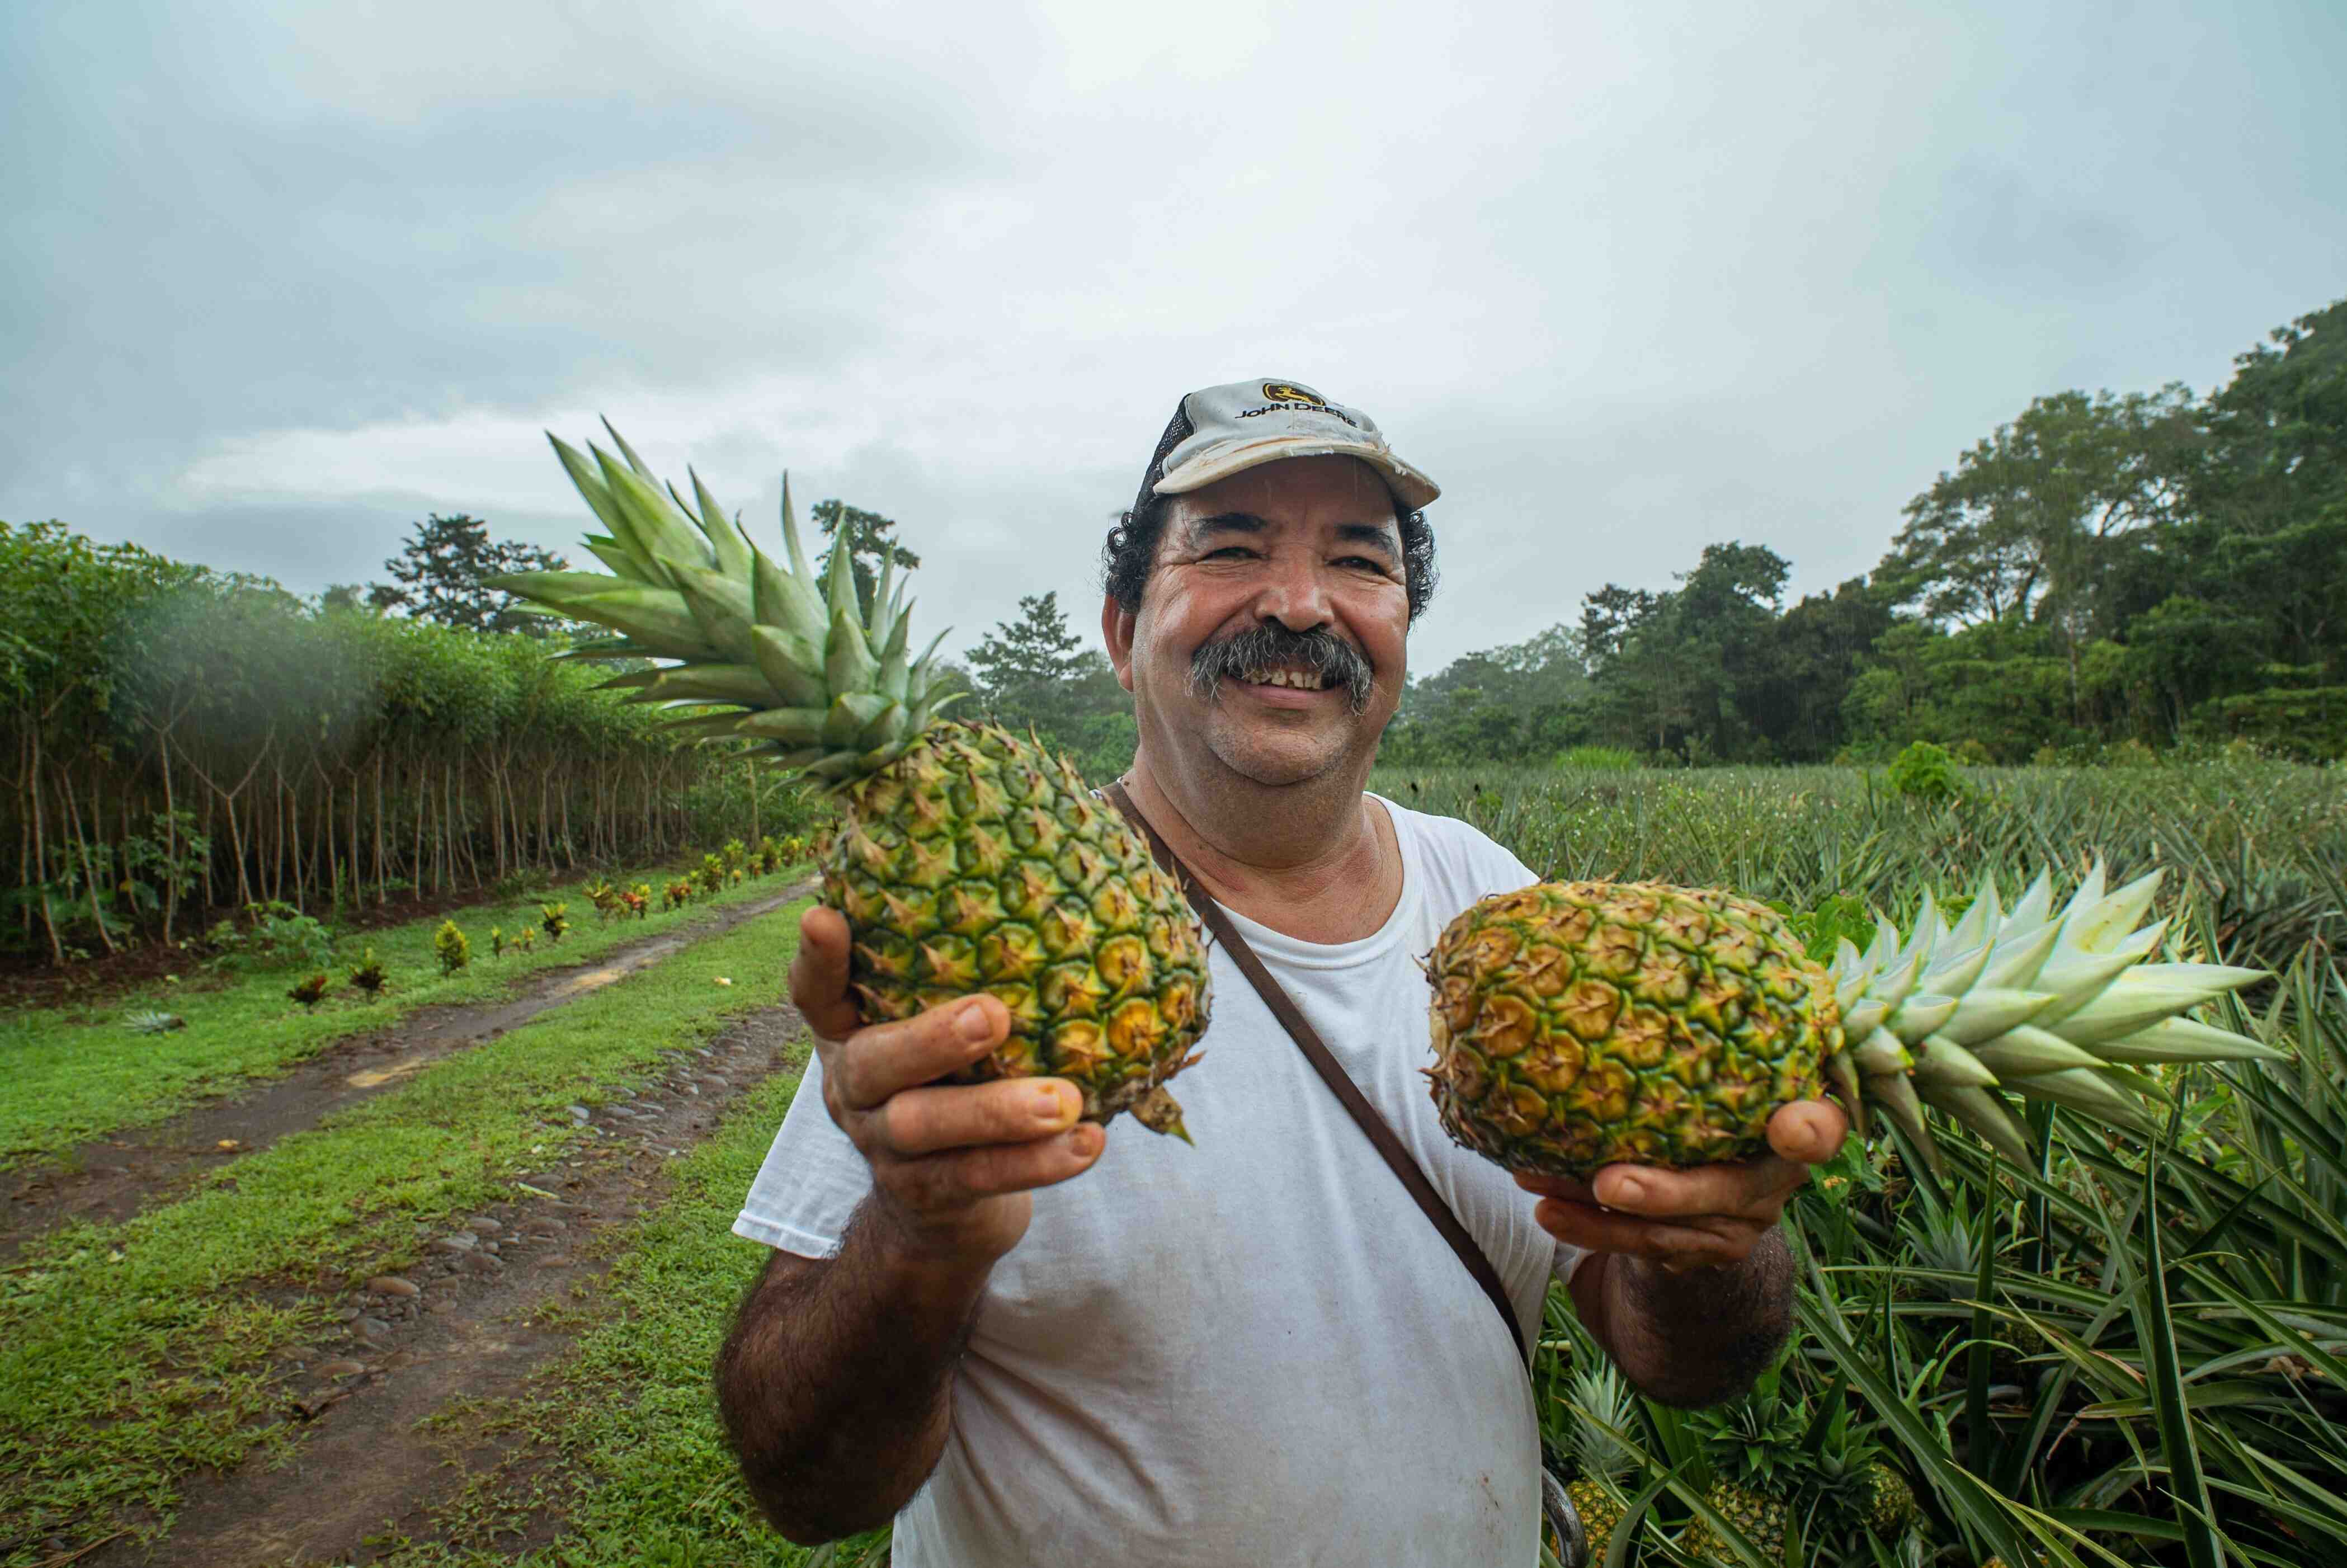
column 433, row 1273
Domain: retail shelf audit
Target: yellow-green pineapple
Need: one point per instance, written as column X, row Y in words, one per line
column 1579, row 1024
column 1891, row 1503
column 1603, row 1413
column 969, row 860
column 1758, row 1516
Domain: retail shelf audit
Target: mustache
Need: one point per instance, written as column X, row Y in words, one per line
column 1335, row 661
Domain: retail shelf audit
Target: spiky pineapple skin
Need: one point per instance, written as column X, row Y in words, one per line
column 1891, row 1504
column 979, row 862
column 1579, row 1024
column 1760, row 1517
column 1599, row 1512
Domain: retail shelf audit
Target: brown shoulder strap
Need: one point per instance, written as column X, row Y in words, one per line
column 1282, row 1007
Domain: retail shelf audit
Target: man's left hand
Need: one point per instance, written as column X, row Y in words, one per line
column 1706, row 1217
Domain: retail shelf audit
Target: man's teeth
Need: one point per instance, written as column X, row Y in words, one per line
column 1304, row 680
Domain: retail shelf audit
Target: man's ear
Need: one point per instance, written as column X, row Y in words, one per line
column 1116, row 631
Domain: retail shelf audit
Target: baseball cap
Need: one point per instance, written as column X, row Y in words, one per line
column 1225, row 430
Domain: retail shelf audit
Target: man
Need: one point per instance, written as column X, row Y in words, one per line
column 1046, row 1345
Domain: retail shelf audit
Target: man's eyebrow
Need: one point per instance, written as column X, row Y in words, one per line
column 1378, row 535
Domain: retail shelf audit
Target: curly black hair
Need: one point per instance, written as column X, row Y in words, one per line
column 1131, row 548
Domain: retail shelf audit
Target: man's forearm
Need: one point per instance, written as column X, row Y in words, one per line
column 1690, row 1340
column 836, row 1385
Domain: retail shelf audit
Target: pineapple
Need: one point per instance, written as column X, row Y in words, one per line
column 1891, row 1508
column 1760, row 1517
column 1579, row 1024
column 969, row 860
column 1601, row 1406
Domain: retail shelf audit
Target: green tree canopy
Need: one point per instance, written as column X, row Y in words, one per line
column 441, row 575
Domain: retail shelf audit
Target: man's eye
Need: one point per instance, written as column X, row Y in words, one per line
column 1232, row 551
column 1365, row 561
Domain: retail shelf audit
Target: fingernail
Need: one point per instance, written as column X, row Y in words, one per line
column 1084, row 1139
column 1051, row 1104
column 973, row 1024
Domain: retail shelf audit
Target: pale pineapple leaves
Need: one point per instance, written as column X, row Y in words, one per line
column 2054, row 1006
column 825, row 690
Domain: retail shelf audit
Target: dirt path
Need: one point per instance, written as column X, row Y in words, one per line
column 112, row 1179
column 473, row 1322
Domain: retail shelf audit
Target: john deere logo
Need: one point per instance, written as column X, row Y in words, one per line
column 1288, row 391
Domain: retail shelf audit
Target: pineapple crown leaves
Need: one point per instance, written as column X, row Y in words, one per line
column 826, row 689
column 2061, row 1005
column 1603, row 1410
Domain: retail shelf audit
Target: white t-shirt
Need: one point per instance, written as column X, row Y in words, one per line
column 1257, row 1350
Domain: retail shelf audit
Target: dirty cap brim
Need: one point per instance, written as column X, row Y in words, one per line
column 1245, row 424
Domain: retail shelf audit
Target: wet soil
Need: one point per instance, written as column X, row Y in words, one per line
column 472, row 1320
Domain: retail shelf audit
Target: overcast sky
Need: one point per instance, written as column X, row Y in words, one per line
column 1624, row 278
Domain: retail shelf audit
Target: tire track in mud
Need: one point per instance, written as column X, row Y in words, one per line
column 487, row 1305
column 109, row 1180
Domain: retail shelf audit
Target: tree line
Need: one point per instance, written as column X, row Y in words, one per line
column 2147, row 567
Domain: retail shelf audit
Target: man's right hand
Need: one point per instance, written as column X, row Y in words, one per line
column 952, row 1164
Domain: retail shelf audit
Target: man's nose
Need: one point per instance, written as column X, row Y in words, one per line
column 1293, row 593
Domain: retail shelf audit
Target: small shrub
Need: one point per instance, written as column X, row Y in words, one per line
column 1926, row 772
column 451, row 947
column 275, row 934
column 712, row 874
column 1972, row 753
column 525, row 940
column 498, row 942
column 522, row 883
column 310, row 993
column 368, row 977
column 1600, row 759
column 640, row 899
column 735, row 856
column 680, row 894
column 553, row 921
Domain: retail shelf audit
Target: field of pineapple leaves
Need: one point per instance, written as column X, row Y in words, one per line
column 2128, row 1355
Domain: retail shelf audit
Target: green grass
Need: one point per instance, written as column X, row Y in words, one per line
column 131, row 1352
column 621, row 1439
column 69, row 1075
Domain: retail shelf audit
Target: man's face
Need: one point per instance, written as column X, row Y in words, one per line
column 1270, row 638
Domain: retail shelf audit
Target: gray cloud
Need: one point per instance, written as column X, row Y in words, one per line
column 1627, row 281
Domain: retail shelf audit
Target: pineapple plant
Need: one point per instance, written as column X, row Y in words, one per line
column 1579, row 1024
column 449, row 946
column 554, row 919
column 368, row 977
column 1601, row 1406
column 309, row 992
column 1760, row 1518
column 967, row 860
column 153, row 1022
